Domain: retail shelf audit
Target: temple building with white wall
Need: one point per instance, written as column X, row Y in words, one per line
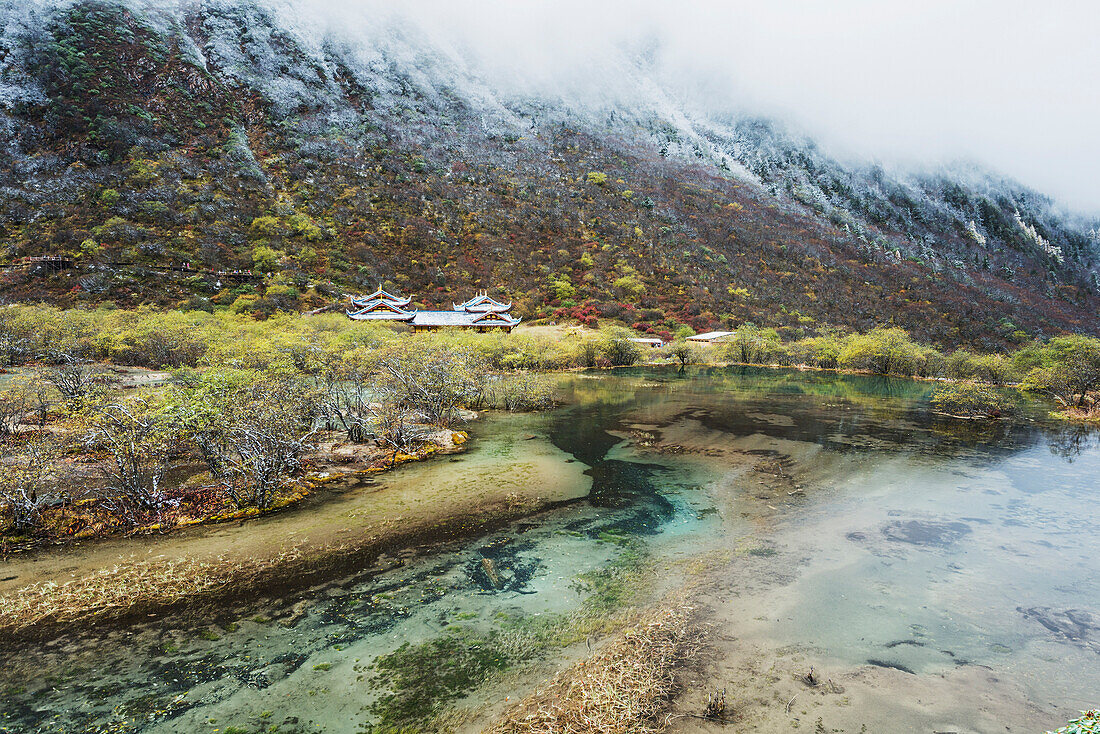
column 480, row 313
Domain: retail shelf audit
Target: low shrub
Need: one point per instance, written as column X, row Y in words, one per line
column 523, row 391
column 1088, row 723
column 967, row 400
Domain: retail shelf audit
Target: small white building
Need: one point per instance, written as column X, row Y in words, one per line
column 654, row 342
column 712, row 337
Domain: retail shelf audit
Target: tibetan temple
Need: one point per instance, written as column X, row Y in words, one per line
column 480, row 313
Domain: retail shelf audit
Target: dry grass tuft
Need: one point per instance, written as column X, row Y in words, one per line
column 1090, row 413
column 624, row 688
column 124, row 587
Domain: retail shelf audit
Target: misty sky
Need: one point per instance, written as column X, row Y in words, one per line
column 1016, row 84
column 1009, row 83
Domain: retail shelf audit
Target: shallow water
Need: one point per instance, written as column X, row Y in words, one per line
column 871, row 535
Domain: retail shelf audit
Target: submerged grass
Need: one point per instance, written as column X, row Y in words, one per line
column 623, row 689
column 422, row 680
column 124, row 587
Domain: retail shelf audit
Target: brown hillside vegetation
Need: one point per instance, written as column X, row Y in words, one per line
column 152, row 176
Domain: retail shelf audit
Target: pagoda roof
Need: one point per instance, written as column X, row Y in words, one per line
column 482, row 302
column 494, row 318
column 380, row 310
column 381, row 295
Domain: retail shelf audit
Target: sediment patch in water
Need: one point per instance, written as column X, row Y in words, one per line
column 939, row 534
column 1078, row 626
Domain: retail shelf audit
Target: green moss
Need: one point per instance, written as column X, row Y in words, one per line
column 619, row 583
column 422, row 679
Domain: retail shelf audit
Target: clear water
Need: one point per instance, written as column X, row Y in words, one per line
column 880, row 536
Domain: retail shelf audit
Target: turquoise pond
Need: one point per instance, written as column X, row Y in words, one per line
column 920, row 561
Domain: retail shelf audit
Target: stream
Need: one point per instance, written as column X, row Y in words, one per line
column 842, row 523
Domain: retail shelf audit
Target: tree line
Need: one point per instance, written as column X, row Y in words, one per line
column 1064, row 368
column 246, row 427
column 248, row 401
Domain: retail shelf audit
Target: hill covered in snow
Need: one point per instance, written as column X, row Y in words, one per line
column 152, row 145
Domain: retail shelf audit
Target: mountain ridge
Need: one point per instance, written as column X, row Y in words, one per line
column 213, row 133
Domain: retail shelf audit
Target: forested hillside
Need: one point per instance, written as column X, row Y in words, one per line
column 151, row 149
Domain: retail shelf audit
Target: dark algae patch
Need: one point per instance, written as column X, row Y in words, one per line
column 582, row 433
column 625, row 485
column 500, row 566
column 898, row 643
column 887, row 664
column 424, row 678
column 1076, row 626
column 925, row 532
column 616, row 484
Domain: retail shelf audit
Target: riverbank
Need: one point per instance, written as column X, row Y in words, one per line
column 195, row 499
column 827, row 521
column 1080, row 415
column 361, row 518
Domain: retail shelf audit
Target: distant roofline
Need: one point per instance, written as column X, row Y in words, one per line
column 382, row 295
column 483, row 298
column 711, row 335
column 377, row 304
column 464, row 319
column 388, row 316
column 480, row 311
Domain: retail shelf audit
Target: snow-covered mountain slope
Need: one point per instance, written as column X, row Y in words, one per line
column 250, row 135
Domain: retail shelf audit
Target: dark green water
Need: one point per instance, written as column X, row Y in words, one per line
column 923, row 545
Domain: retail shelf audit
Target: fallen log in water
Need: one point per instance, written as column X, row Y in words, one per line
column 491, row 572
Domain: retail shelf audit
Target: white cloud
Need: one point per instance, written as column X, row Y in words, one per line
column 1014, row 84
column 1011, row 83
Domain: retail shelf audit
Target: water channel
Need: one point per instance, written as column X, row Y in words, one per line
column 942, row 575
